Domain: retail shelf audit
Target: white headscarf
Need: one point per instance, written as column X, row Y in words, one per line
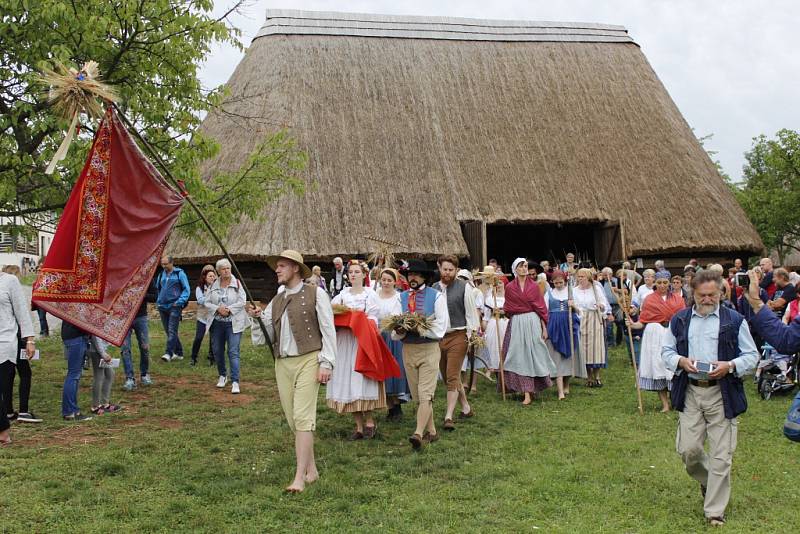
column 516, row 264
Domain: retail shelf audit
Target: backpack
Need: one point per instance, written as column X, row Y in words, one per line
column 791, row 428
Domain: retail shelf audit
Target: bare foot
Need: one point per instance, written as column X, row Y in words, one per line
column 527, row 401
column 296, row 486
column 561, row 397
column 311, row 477
column 664, row 410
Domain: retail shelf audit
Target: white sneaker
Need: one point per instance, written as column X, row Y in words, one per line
column 222, row 381
column 176, row 357
column 235, row 388
column 166, row 357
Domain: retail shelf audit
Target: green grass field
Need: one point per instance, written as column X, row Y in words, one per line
column 184, row 456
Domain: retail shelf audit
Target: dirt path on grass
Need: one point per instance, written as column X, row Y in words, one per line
column 134, row 414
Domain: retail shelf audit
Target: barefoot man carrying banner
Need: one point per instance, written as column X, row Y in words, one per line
column 299, row 322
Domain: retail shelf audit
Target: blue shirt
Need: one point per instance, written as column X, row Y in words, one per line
column 703, row 339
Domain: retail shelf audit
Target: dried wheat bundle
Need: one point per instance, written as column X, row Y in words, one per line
column 339, row 309
column 73, row 91
column 476, row 341
column 410, row 322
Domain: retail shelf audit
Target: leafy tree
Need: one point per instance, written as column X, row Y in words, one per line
column 770, row 194
column 149, row 50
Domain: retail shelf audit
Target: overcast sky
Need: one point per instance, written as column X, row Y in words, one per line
column 732, row 66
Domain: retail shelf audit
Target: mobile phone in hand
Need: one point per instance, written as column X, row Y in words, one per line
column 704, row 367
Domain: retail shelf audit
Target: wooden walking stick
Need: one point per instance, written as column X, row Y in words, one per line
column 626, row 308
column 175, row 183
column 569, row 319
column 496, row 314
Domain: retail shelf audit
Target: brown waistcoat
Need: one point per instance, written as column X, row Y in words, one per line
column 303, row 321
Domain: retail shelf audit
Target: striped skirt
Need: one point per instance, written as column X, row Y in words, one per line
column 592, row 344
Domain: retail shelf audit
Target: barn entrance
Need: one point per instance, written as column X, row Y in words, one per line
column 600, row 243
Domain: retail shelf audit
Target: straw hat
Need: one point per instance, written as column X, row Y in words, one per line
column 291, row 255
column 486, row 272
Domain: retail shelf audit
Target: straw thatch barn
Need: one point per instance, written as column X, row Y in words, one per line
column 475, row 137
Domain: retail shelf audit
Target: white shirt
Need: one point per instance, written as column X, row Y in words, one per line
column 642, row 293
column 366, row 301
column 558, row 294
column 389, row 305
column 491, row 303
column 288, row 345
column 15, row 316
column 589, row 299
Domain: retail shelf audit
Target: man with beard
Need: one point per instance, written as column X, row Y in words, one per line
column 709, row 398
column 462, row 322
column 421, row 351
column 339, row 277
column 299, row 321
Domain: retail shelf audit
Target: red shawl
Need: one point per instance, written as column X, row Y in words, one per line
column 529, row 300
column 657, row 310
column 373, row 359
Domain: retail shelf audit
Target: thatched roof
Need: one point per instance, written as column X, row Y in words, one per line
column 413, row 124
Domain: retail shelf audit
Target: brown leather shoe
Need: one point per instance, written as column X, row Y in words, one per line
column 449, row 425
column 370, row 431
column 416, row 442
column 717, row 521
column 355, row 436
column 470, row 413
column 430, row 438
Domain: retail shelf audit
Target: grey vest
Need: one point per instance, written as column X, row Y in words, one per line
column 455, row 302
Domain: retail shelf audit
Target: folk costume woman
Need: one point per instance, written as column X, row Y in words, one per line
column 590, row 300
column 350, row 391
column 527, row 365
column 494, row 302
column 397, row 391
column 566, row 356
column 658, row 309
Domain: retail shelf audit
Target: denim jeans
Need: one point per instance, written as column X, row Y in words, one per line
column 171, row 320
column 74, row 351
column 140, row 327
column 222, row 334
column 199, row 334
column 44, row 329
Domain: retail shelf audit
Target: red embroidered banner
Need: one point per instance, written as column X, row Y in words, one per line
column 109, row 239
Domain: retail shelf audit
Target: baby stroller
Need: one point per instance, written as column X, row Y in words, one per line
column 776, row 373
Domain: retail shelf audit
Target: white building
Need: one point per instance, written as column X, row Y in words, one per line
column 26, row 246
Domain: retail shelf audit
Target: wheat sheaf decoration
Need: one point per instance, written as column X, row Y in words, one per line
column 73, row 92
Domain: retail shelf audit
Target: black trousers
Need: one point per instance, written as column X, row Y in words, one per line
column 6, row 381
column 23, row 367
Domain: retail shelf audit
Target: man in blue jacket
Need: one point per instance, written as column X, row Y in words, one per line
column 173, row 294
column 783, row 338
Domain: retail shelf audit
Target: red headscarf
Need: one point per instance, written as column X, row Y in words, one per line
column 657, row 310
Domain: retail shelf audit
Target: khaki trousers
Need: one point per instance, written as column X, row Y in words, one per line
column 298, row 387
column 421, row 362
column 453, row 348
column 703, row 418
